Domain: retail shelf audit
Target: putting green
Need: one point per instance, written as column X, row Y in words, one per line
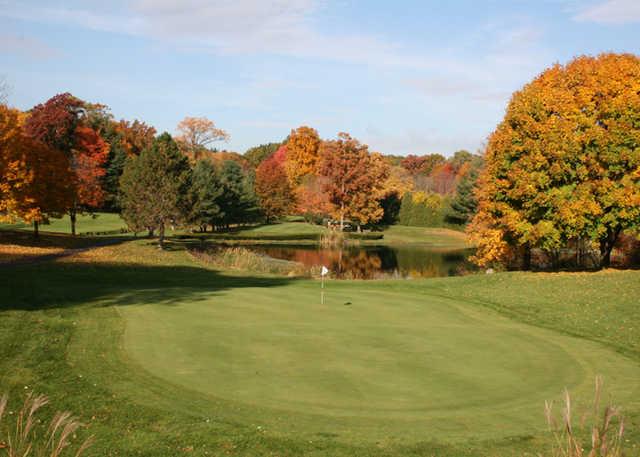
column 369, row 364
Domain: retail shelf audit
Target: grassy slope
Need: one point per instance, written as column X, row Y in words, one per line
column 69, row 346
column 438, row 238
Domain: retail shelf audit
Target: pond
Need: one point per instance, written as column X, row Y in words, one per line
column 375, row 262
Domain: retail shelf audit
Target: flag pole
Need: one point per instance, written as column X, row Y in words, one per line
column 323, row 272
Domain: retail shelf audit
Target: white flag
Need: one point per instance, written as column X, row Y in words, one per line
column 324, row 271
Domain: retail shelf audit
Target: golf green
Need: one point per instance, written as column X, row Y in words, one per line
column 369, row 364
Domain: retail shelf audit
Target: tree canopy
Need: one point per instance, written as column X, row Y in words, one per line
column 564, row 164
column 155, row 187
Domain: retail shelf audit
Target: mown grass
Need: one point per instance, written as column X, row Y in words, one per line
column 435, row 237
column 99, row 223
column 63, row 325
column 288, row 230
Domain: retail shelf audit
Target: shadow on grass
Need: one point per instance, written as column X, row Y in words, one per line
column 57, row 240
column 227, row 236
column 54, row 285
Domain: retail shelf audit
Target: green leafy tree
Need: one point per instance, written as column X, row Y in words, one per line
column 155, row 188
column 406, row 209
column 258, row 154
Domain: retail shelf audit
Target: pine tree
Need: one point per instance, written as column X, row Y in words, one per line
column 206, row 191
column 464, row 205
column 155, row 187
column 237, row 202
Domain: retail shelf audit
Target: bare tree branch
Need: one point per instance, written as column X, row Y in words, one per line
column 4, row 90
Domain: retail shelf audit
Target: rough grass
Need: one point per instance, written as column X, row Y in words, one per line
column 239, row 258
column 62, row 328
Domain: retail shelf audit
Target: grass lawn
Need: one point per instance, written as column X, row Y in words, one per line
column 290, row 230
column 162, row 356
column 100, row 222
column 436, row 237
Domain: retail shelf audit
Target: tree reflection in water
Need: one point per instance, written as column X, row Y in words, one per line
column 374, row 262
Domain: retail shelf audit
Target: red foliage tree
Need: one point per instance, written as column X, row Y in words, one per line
column 272, row 186
column 61, row 124
column 444, row 178
column 421, row 165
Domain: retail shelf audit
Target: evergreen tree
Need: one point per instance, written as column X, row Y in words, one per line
column 406, row 209
column 155, row 187
column 114, row 169
column 464, row 205
column 206, row 191
column 238, row 201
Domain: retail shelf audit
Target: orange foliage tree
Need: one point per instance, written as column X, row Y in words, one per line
column 354, row 180
column 564, row 164
column 136, row 136
column 303, row 154
column 311, row 200
column 196, row 134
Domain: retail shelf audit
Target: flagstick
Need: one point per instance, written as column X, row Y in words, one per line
column 322, row 291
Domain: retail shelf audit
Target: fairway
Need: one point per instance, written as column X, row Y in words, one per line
column 369, row 364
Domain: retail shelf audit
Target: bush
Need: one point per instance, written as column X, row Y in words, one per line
column 422, row 209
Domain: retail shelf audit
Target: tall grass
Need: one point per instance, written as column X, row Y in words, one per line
column 332, row 238
column 239, row 258
column 602, row 437
column 26, row 435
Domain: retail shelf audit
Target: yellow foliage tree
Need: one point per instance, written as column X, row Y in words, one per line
column 14, row 173
column 35, row 179
column 564, row 164
column 303, row 154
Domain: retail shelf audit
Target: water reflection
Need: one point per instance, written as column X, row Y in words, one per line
column 374, row 262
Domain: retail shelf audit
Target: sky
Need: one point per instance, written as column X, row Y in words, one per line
column 404, row 77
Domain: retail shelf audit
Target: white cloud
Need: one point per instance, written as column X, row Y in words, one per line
column 611, row 12
column 245, row 27
column 23, row 45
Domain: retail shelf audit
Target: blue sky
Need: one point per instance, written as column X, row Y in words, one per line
column 405, row 77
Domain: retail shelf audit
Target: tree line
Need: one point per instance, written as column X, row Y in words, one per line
column 69, row 156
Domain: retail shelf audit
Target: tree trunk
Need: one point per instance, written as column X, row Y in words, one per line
column 73, row 216
column 151, row 230
column 606, row 246
column 161, row 235
column 342, row 217
column 36, row 232
column 526, row 258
